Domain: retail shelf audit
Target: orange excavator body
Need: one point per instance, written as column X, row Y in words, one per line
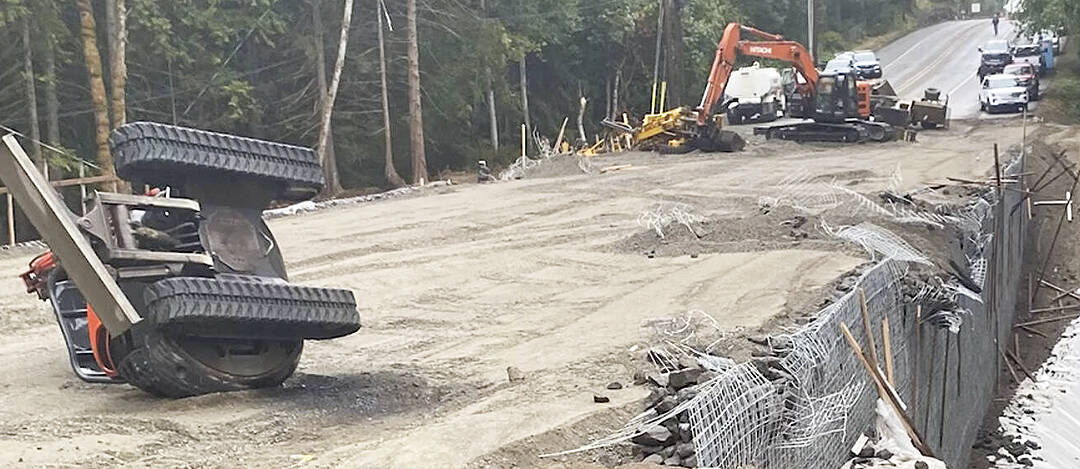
column 769, row 46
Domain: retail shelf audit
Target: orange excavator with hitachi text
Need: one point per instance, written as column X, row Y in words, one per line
column 836, row 104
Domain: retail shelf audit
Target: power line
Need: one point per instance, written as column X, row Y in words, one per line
column 47, row 146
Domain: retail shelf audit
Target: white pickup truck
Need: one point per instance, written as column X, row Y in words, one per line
column 754, row 94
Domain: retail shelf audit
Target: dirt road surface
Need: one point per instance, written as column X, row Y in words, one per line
column 548, row 275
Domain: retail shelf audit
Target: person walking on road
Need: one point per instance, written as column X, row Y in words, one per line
column 995, row 21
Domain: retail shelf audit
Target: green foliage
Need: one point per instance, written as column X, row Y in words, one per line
column 249, row 66
column 1060, row 15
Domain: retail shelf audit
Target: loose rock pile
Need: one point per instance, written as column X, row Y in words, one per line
column 1007, row 449
column 869, row 457
column 670, row 442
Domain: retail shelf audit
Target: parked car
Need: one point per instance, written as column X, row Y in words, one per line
column 867, row 64
column 1025, row 74
column 995, row 56
column 1002, row 92
column 840, row 64
column 1028, row 54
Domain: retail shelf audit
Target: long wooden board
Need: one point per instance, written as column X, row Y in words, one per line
column 56, row 224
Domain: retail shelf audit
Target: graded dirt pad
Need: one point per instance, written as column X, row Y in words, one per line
column 542, row 274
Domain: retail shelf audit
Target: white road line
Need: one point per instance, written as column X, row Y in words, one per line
column 962, row 83
column 927, row 69
column 916, row 46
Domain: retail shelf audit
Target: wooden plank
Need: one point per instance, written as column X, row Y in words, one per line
column 1008, row 365
column 1020, row 364
column 1033, row 331
column 917, row 365
column 615, row 168
column 558, row 141
column 10, row 220
column 868, row 328
column 886, row 342
column 1059, row 289
column 1054, row 308
column 887, row 393
column 1044, row 321
column 56, row 224
column 75, row 182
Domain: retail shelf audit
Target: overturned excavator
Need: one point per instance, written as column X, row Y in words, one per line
column 182, row 290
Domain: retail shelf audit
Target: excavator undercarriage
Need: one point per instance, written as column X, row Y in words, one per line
column 183, row 290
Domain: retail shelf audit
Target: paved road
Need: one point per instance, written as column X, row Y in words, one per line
column 943, row 56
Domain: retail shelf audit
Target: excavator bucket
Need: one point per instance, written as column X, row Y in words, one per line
column 720, row 140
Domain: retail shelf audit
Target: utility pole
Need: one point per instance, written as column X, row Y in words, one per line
column 810, row 28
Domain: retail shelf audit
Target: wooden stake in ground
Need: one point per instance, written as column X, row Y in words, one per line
column 10, row 220
column 867, row 328
column 1012, row 372
column 1019, row 363
column 916, row 367
column 887, row 344
column 887, row 393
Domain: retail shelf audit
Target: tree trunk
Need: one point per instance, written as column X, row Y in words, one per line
column 607, row 98
column 525, row 95
column 52, row 100
column 615, row 95
column 117, row 26
column 320, row 74
column 392, row 176
column 656, row 59
column 416, row 116
column 97, row 88
column 492, row 115
column 582, row 139
column 674, row 54
column 333, row 186
column 31, row 95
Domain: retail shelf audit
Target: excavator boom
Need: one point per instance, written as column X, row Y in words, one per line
column 772, row 46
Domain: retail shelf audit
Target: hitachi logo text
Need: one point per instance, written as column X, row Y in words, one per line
column 760, row 50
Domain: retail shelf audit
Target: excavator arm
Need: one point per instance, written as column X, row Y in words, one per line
column 770, row 46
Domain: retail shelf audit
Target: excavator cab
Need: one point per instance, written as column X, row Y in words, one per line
column 836, row 98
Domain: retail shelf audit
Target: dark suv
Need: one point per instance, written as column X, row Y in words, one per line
column 995, row 56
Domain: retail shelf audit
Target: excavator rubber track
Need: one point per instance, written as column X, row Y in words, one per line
column 148, row 150
column 847, row 132
column 249, row 306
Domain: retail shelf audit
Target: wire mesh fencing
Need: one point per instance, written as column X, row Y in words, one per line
column 945, row 362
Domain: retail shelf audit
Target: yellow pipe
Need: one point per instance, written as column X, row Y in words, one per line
column 652, row 102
